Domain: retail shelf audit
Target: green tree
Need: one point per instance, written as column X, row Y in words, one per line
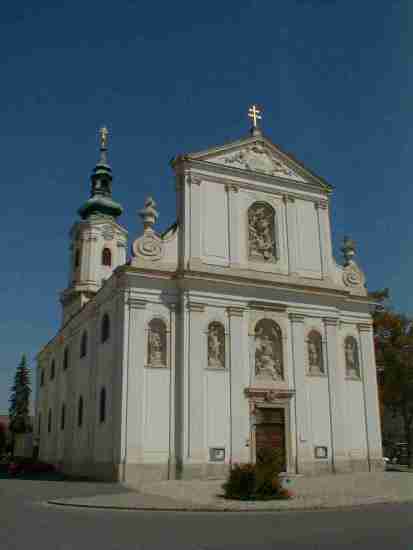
column 20, row 399
column 3, row 439
column 393, row 335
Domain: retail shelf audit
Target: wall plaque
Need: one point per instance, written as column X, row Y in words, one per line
column 320, row 452
column 217, row 454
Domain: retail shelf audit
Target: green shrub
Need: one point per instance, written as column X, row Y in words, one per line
column 257, row 481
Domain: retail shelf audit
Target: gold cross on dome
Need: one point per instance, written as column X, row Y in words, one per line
column 104, row 134
column 255, row 114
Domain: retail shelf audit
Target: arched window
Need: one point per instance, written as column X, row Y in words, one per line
column 157, row 343
column 42, row 377
column 83, row 345
column 268, row 350
column 102, row 405
column 216, row 345
column 52, row 369
column 106, row 257
column 315, row 353
column 49, row 421
column 105, row 328
column 261, row 232
column 77, row 258
column 352, row 357
column 62, row 417
column 80, row 412
column 66, row 358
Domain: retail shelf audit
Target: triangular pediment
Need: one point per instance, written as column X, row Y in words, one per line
column 258, row 154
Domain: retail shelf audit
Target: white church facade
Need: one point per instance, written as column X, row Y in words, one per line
column 231, row 332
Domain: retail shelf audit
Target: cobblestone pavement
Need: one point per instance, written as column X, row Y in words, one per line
column 334, row 491
column 26, row 522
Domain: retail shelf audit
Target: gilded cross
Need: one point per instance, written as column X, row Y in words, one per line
column 104, row 133
column 255, row 114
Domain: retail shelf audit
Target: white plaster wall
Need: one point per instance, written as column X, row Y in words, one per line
column 355, row 420
column 215, row 223
column 217, row 419
column 308, row 239
column 156, row 414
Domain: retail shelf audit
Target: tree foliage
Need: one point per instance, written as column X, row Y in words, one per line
column 20, row 399
column 393, row 335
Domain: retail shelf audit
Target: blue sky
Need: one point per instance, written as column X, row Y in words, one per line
column 334, row 78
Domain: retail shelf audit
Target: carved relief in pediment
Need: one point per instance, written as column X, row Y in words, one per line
column 258, row 159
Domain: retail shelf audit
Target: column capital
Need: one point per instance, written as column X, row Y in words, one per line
column 195, row 306
column 321, row 204
column 231, row 187
column 331, row 321
column 235, row 311
column 193, row 179
column 288, row 198
column 296, row 317
column 365, row 327
column 135, row 303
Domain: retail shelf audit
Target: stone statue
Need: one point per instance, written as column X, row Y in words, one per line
column 216, row 345
column 351, row 354
column 268, row 351
column 261, row 232
column 157, row 344
column 315, row 353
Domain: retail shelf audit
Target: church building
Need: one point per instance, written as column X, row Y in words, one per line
column 232, row 332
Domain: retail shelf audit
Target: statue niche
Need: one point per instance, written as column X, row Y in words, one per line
column 261, row 235
column 315, row 353
column 157, row 343
column 216, row 345
column 268, row 350
column 352, row 357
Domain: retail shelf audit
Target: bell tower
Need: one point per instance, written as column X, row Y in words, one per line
column 97, row 242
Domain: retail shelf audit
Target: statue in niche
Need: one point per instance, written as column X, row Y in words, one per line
column 216, row 345
column 268, row 350
column 157, row 343
column 352, row 358
column 315, row 353
column 261, row 232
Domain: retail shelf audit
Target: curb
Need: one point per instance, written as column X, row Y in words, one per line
column 243, row 509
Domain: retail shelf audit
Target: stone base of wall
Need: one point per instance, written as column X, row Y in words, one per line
column 99, row 471
column 205, row 470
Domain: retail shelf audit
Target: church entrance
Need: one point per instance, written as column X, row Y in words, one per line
column 270, row 432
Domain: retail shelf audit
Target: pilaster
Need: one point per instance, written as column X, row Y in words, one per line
column 336, row 381
column 196, row 354
column 291, row 233
column 195, row 216
column 371, row 402
column 239, row 407
column 234, row 225
column 303, row 445
column 325, row 248
column 134, row 386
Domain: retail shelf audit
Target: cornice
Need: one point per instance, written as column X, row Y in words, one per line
column 266, row 306
column 250, row 176
column 365, row 327
column 296, row 317
column 235, row 311
column 195, row 306
column 331, row 321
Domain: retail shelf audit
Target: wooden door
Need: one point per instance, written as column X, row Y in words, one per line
column 270, row 432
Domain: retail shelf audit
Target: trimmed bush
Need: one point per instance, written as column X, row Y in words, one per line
column 257, row 481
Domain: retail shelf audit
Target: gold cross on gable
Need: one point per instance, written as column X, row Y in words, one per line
column 103, row 133
column 255, row 114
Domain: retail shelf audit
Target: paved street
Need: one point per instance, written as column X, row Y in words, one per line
column 26, row 522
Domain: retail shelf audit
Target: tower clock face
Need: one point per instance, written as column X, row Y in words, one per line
column 108, row 232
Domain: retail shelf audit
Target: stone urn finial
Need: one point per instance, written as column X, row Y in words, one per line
column 348, row 249
column 149, row 215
